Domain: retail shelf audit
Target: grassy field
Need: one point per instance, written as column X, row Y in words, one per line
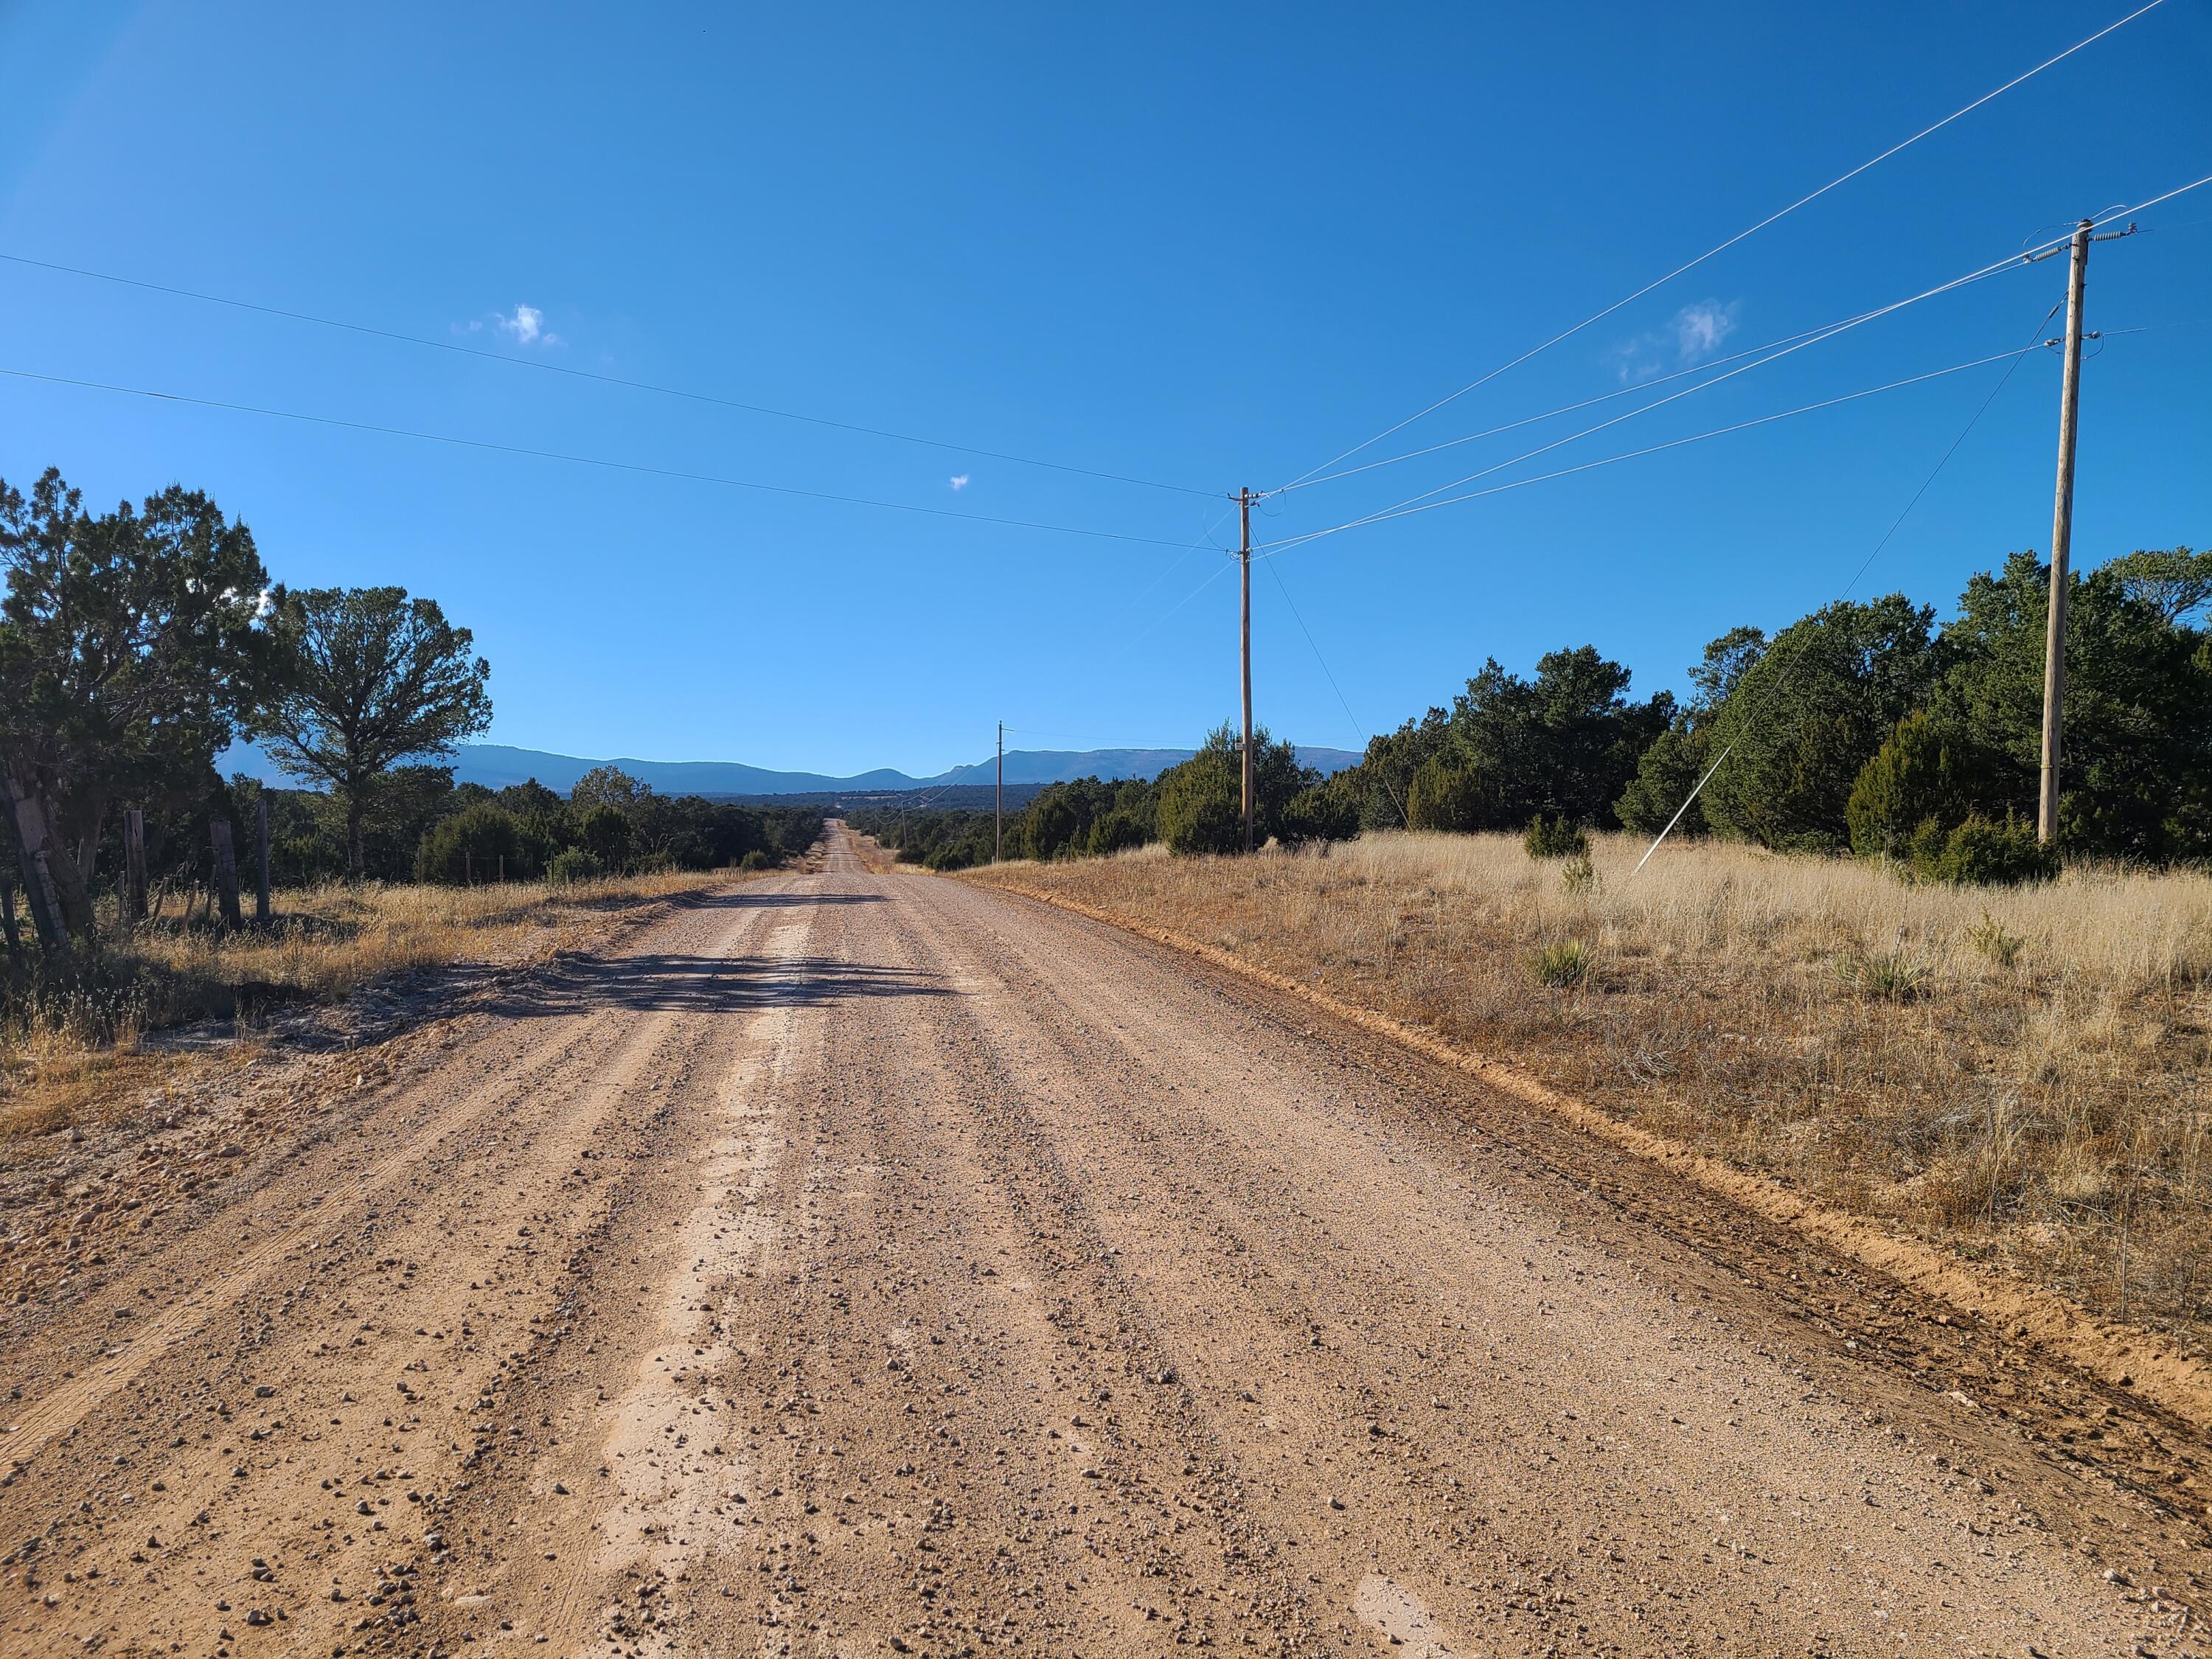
column 2024, row 1076
column 65, row 1051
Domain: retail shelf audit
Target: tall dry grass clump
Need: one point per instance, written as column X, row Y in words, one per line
column 2022, row 1074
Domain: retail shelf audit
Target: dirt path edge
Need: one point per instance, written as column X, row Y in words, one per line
column 2145, row 1361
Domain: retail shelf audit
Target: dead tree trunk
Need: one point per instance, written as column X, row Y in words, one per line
column 34, row 852
column 134, row 865
column 8, row 922
column 226, row 871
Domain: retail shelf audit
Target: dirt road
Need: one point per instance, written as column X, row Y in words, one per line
column 862, row 1264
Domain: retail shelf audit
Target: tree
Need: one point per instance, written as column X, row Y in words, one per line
column 1928, row 773
column 1202, row 806
column 2176, row 582
column 1448, row 796
column 1803, row 719
column 1565, row 744
column 368, row 678
column 2136, row 762
column 479, row 842
column 1668, row 770
column 1379, row 785
column 608, row 785
column 1675, row 763
column 127, row 649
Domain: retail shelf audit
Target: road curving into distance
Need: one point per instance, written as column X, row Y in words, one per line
column 861, row 1263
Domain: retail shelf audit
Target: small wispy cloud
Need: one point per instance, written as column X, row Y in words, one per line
column 958, row 481
column 525, row 326
column 1690, row 336
column 1699, row 329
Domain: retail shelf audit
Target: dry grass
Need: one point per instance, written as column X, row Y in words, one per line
column 2020, row 1075
column 65, row 1049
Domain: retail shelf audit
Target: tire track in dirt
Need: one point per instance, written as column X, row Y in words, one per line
column 449, row 1246
column 891, row 1267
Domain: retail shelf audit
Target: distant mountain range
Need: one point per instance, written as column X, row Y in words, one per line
column 496, row 765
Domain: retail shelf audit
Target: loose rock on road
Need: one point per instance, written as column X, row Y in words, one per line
column 859, row 1264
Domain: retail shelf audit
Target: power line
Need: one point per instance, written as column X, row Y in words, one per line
column 459, row 349
column 1276, row 570
column 1672, row 443
column 1704, row 368
column 1857, row 576
column 580, row 460
column 1411, row 503
column 1721, row 247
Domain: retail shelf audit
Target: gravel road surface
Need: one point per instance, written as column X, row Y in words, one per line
column 859, row 1264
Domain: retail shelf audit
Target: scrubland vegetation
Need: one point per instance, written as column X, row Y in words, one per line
column 67, row 1044
column 2022, row 1073
column 136, row 645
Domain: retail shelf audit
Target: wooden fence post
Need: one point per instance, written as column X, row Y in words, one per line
column 48, row 919
column 226, row 871
column 261, row 859
column 8, row 920
column 134, row 865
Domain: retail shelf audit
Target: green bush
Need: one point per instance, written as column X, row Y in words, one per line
column 605, row 833
column 1117, row 829
column 1670, row 768
column 572, row 865
column 1201, row 802
column 1445, row 796
column 756, row 860
column 1924, row 770
column 1557, row 839
column 1982, row 853
column 1321, row 813
column 1204, row 817
column 478, row 843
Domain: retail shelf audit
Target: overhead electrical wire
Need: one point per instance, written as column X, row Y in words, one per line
column 582, row 461
column 1421, row 503
column 1413, row 503
column 1272, row 549
column 1704, row 368
column 1721, row 247
column 1857, row 576
column 545, row 367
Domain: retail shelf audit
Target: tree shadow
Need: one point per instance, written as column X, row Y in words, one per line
column 753, row 899
column 710, row 985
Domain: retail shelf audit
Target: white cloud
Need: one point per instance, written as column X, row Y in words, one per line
column 958, row 481
column 525, row 326
column 1691, row 335
column 1699, row 329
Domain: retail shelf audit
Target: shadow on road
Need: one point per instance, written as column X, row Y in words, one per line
column 751, row 899
column 710, row 985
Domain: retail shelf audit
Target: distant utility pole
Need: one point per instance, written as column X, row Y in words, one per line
column 1245, row 500
column 999, row 802
column 2062, row 525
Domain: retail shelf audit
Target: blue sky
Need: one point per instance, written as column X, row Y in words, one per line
column 1207, row 248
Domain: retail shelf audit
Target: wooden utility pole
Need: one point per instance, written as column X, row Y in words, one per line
column 1245, row 500
column 2062, row 527
column 999, row 802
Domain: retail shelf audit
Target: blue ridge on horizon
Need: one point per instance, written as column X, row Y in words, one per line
column 496, row 765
